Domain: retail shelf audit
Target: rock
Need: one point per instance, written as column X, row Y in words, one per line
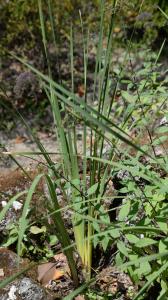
column 8, row 262
column 24, row 289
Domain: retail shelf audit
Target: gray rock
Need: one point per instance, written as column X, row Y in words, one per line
column 24, row 289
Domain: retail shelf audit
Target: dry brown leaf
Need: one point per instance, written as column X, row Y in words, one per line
column 81, row 90
column 53, row 271
column 48, row 271
column 19, row 139
column 80, row 297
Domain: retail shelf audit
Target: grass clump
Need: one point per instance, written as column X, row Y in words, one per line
column 123, row 146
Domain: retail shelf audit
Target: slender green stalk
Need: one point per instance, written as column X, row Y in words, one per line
column 61, row 230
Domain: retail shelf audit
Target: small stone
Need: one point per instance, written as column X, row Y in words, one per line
column 163, row 121
column 3, row 203
column 25, row 289
column 17, row 205
column 12, row 293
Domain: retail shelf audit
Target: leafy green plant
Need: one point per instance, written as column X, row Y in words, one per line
column 148, row 209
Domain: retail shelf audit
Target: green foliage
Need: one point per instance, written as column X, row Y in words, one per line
column 144, row 19
column 149, row 210
column 34, row 241
column 20, row 25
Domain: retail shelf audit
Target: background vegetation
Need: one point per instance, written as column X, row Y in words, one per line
column 20, row 20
